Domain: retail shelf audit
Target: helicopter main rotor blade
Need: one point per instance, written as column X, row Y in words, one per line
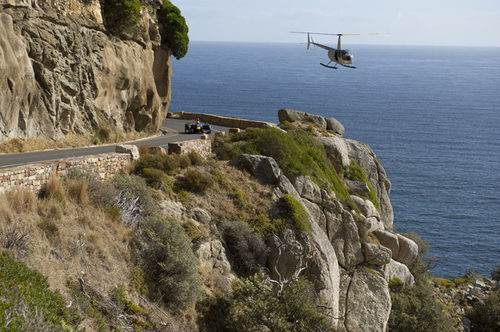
column 326, row 34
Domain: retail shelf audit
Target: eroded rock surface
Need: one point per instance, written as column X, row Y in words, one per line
column 61, row 72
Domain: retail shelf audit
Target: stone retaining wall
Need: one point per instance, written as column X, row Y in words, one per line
column 202, row 146
column 33, row 176
column 221, row 120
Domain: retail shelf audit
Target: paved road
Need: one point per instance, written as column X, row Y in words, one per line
column 174, row 129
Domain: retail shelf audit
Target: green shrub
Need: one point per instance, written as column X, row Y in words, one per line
column 396, row 284
column 195, row 158
column 184, row 161
column 27, row 302
column 101, row 135
column 195, row 181
column 415, row 309
column 495, row 274
column 265, row 226
column 246, row 248
column 175, row 29
column 192, row 231
column 239, row 197
column 171, row 163
column 157, row 179
column 296, row 152
column 121, row 15
column 256, row 307
column 356, row 173
column 156, row 161
column 486, row 316
column 169, row 263
column 296, row 215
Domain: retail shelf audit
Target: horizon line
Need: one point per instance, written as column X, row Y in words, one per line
column 363, row 44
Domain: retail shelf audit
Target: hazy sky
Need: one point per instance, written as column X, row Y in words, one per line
column 417, row 22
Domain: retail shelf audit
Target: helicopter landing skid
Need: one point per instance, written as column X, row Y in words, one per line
column 327, row 66
column 347, row 66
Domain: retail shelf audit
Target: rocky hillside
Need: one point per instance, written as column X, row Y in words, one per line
column 282, row 229
column 62, row 71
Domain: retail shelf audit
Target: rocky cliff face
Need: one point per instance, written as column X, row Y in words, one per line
column 61, row 72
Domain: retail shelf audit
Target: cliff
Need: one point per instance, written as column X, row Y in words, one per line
column 62, row 71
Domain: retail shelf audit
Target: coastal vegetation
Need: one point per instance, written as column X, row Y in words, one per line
column 121, row 16
column 176, row 29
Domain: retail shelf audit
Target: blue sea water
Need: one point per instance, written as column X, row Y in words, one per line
column 431, row 115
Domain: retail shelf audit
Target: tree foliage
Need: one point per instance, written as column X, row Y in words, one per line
column 121, row 15
column 175, row 29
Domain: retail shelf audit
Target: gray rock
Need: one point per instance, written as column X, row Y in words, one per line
column 395, row 269
column 212, row 255
column 337, row 147
column 358, row 188
column 171, row 209
column 375, row 173
column 335, row 126
column 388, row 240
column 290, row 115
column 376, row 255
column 408, row 250
column 130, row 149
column 368, row 303
column 403, row 249
column 366, row 207
column 201, row 215
column 308, row 189
column 369, row 225
column 265, row 169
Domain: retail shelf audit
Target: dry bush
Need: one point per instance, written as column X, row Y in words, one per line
column 77, row 190
column 143, row 149
column 21, row 200
column 195, row 158
column 14, row 236
column 50, row 208
column 53, row 188
column 6, row 213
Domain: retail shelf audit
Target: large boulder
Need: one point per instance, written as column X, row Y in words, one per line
column 130, row 149
column 335, row 126
column 375, row 173
column 398, row 270
column 265, row 169
column 292, row 116
column 308, row 189
column 376, row 255
column 403, row 249
column 368, row 302
column 337, row 147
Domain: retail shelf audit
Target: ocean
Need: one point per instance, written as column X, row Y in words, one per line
column 431, row 115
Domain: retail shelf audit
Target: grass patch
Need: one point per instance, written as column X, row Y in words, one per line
column 296, row 215
column 28, row 303
column 195, row 181
column 356, row 173
column 296, row 152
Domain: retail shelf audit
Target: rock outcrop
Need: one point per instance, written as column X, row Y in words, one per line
column 61, row 72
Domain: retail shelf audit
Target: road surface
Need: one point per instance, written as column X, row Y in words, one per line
column 173, row 127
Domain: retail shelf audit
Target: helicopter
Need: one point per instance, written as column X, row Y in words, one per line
column 341, row 57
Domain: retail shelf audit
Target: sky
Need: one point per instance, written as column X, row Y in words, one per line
column 399, row 22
